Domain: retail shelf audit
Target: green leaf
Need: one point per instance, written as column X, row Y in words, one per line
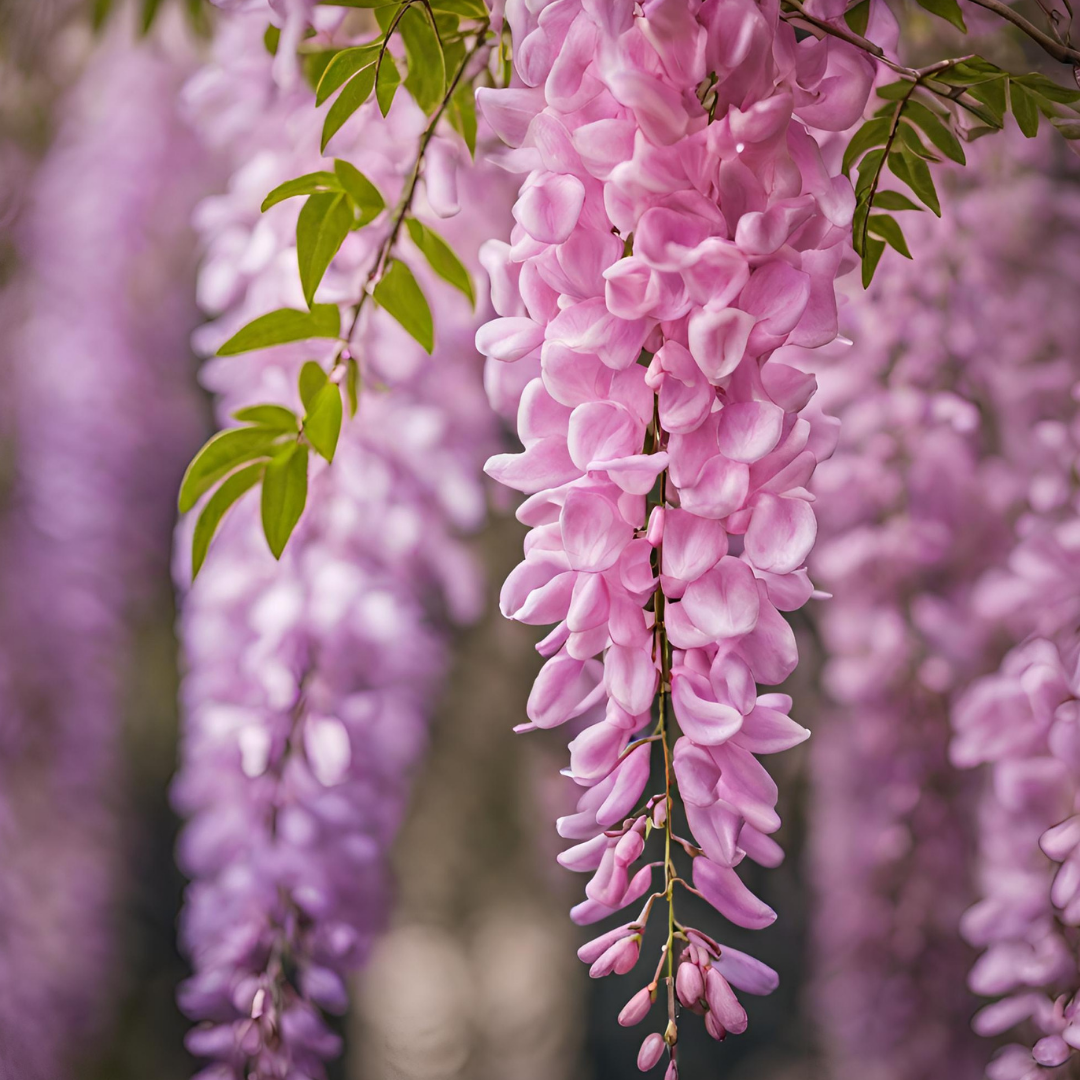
column 858, row 223
column 894, row 200
column 969, row 72
column 467, row 9
column 949, row 10
column 275, row 417
column 992, row 94
column 357, row 91
column 1025, row 108
column 366, row 198
column 215, row 509
column 858, row 17
column 872, row 133
column 398, row 292
column 322, row 425
column 150, row 9
column 869, row 168
column 285, row 325
column 1048, row 89
column 874, row 251
column 895, row 91
column 1067, row 129
column 221, row 455
column 312, row 380
column 462, row 115
column 315, row 64
column 908, row 137
column 887, row 228
column 441, row 258
column 272, row 39
column 426, row 78
column 343, row 67
column 323, row 224
column 309, row 184
column 352, row 384
column 935, row 131
column 389, row 79
column 916, row 174
column 284, row 493
column 99, row 13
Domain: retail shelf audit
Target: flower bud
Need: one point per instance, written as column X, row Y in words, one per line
column 629, row 848
column 637, row 1008
column 620, row 958
column 714, row 1027
column 593, row 950
column 655, row 532
column 672, row 1072
column 689, row 984
column 652, row 1050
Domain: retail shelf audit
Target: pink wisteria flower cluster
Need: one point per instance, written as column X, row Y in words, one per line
column 310, row 681
column 935, row 470
column 1022, row 719
column 657, row 262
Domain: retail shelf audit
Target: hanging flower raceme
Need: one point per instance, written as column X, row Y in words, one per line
column 310, row 680
column 937, row 403
column 1022, row 720
column 100, row 413
column 676, row 227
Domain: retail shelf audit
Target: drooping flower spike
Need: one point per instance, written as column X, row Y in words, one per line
column 98, row 414
column 959, row 357
column 310, row 680
column 677, row 225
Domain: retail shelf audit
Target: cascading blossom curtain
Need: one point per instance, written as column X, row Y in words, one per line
column 102, row 416
column 1021, row 721
column 310, row 680
column 959, row 357
column 673, row 231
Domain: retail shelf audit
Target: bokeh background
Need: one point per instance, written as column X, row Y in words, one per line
column 475, row 977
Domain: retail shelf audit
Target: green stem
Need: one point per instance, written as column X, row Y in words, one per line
column 661, row 646
column 382, row 256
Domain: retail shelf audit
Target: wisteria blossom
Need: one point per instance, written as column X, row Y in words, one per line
column 99, row 416
column 958, row 356
column 310, row 680
column 1021, row 720
column 672, row 232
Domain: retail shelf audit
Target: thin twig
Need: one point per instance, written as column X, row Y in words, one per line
column 1062, row 53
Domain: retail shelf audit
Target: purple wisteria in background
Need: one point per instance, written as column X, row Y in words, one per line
column 1023, row 719
column 951, row 405
column 101, row 416
column 310, row 680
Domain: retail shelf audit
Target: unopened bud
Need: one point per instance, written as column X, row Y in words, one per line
column 689, row 984
column 714, row 1027
column 655, row 533
column 652, row 1050
column 637, row 1008
column 672, row 1072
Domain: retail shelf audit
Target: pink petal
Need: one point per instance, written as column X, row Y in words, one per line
column 723, row 888
column 724, row 602
column 718, row 339
column 781, row 533
column 704, row 720
column 594, row 532
column 748, row 430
